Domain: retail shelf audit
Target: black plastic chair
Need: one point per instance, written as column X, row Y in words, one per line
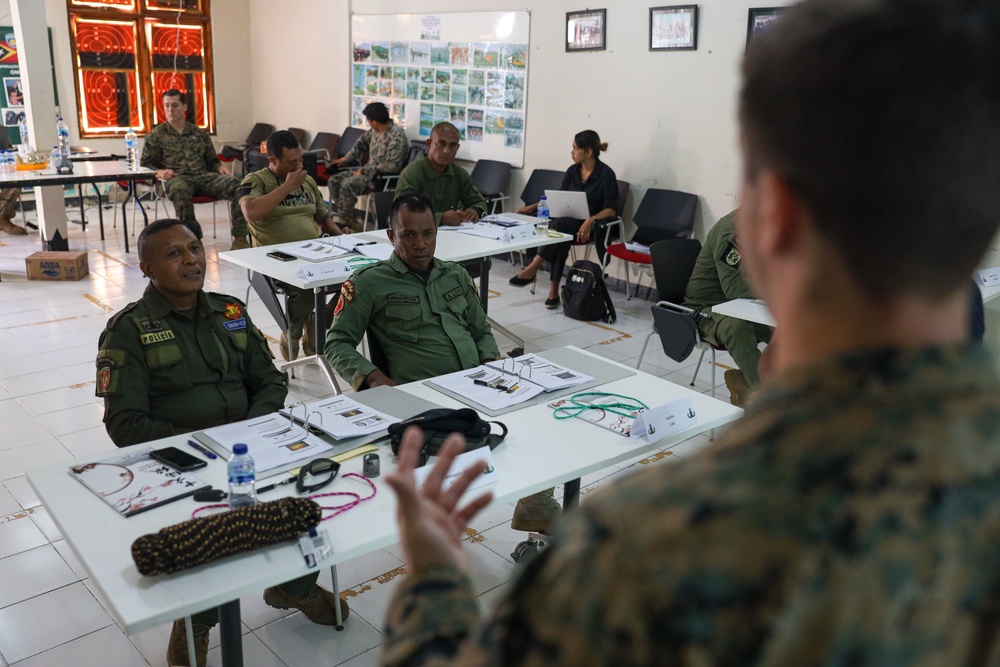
column 347, row 141
column 540, row 181
column 259, row 134
column 491, row 178
column 383, row 207
column 323, row 146
column 605, row 226
column 298, row 133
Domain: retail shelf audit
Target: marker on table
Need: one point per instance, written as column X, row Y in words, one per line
column 276, row 485
column 201, row 448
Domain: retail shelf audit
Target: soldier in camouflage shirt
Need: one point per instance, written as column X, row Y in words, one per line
column 185, row 159
column 387, row 149
column 852, row 517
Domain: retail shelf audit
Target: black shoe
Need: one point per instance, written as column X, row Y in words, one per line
column 521, row 282
column 552, row 304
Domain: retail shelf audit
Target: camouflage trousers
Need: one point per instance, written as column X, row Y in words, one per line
column 8, row 203
column 740, row 339
column 181, row 188
column 345, row 188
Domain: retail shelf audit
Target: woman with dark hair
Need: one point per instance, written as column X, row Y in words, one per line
column 588, row 174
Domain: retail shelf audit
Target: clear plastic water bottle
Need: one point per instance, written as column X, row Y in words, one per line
column 131, row 150
column 242, row 476
column 7, row 162
column 542, row 222
column 23, row 148
column 54, row 158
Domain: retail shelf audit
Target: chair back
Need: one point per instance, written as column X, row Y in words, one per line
column 673, row 263
column 347, row 140
column 540, row 181
column 664, row 214
column 324, row 141
column 268, row 293
column 677, row 330
column 259, row 134
column 491, row 177
column 298, row 133
column 383, row 207
column 623, row 188
column 416, row 152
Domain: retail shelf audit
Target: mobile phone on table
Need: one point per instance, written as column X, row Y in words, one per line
column 281, row 256
column 178, row 459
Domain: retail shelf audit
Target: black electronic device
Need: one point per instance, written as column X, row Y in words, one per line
column 178, row 459
column 281, row 256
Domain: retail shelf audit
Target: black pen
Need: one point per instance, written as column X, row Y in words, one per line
column 365, row 243
column 275, row 485
column 203, row 450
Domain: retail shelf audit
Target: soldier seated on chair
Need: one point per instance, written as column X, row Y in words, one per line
column 181, row 359
column 282, row 203
column 185, row 160
column 717, row 278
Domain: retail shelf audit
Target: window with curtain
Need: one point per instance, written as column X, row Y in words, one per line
column 126, row 53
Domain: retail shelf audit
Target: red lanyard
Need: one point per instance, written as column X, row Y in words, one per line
column 336, row 509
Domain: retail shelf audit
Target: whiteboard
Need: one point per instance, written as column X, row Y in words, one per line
column 467, row 68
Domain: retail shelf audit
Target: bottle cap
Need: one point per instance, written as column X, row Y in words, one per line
column 239, row 449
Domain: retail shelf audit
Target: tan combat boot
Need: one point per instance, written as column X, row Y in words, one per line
column 738, row 387
column 317, row 605
column 537, row 513
column 240, row 243
column 308, row 346
column 9, row 227
column 283, row 347
column 177, row 648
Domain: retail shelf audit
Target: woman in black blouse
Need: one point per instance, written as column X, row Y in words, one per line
column 588, row 174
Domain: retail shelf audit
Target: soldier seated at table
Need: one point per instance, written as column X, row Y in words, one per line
column 717, row 278
column 181, row 359
column 426, row 317
column 282, row 203
column 185, row 160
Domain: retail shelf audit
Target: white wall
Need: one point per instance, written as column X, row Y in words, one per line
column 233, row 92
column 669, row 117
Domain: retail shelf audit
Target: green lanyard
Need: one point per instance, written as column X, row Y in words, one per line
column 618, row 408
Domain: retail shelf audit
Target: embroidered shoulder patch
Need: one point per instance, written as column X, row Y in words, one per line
column 158, row 337
column 233, row 325
column 731, row 255
column 233, row 311
column 454, row 294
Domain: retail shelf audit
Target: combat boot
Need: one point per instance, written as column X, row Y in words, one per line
column 317, row 605
column 537, row 513
column 240, row 243
column 738, row 387
column 283, row 347
column 9, row 227
column 177, row 648
column 308, row 346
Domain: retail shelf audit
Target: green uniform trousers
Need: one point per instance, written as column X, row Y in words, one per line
column 182, row 187
column 740, row 339
column 300, row 307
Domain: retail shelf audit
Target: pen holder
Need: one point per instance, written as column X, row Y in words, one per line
column 204, row 540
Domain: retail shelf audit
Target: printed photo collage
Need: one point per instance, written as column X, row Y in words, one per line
column 477, row 87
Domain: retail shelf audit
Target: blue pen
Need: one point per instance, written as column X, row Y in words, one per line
column 203, row 450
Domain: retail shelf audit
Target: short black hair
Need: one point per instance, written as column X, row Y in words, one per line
column 883, row 117
column 173, row 92
column 413, row 202
column 377, row 112
column 279, row 141
column 154, row 228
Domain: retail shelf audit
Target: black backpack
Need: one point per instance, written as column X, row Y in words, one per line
column 585, row 296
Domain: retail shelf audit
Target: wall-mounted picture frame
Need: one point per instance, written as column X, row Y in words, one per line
column 586, row 30
column 760, row 20
column 673, row 28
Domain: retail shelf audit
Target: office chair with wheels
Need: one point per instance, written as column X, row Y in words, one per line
column 662, row 215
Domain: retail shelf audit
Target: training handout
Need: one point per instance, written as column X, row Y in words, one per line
column 316, row 250
column 273, row 440
column 488, row 387
column 375, row 250
column 340, row 417
column 134, row 482
column 531, row 367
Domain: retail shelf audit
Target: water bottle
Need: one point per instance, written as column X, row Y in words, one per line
column 542, row 222
column 131, row 150
column 23, row 148
column 241, row 479
column 54, row 158
column 7, row 162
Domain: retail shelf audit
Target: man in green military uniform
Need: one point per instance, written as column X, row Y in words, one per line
column 425, row 314
column 453, row 197
column 8, row 207
column 185, row 160
column 852, row 517
column 282, row 204
column 387, row 148
column 717, row 278
column 181, row 360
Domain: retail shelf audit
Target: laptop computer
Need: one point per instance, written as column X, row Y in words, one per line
column 563, row 204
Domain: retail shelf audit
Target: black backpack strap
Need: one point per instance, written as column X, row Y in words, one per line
column 493, row 439
column 612, row 314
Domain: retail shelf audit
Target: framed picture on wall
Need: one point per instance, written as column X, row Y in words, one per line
column 760, row 20
column 585, row 31
column 673, row 28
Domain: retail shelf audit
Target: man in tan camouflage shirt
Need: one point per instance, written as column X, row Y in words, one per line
column 387, row 148
column 852, row 517
column 185, row 159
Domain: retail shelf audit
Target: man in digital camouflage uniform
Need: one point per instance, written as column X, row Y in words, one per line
column 851, row 517
column 282, row 203
column 387, row 148
column 185, row 160
column 424, row 313
column 717, row 278
column 181, row 359
column 8, row 208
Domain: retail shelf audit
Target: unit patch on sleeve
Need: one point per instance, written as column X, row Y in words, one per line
column 152, row 326
column 454, row 294
column 233, row 311
column 731, row 255
column 233, row 325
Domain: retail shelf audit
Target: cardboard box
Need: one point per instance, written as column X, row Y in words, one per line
column 67, row 265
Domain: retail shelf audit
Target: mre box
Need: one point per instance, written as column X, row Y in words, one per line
column 68, row 265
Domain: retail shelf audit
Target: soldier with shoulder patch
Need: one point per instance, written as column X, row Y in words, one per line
column 717, row 278
column 181, row 359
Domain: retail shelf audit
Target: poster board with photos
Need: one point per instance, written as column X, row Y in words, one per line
column 467, row 68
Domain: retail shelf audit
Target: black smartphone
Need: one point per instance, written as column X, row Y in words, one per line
column 178, row 459
column 281, row 256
